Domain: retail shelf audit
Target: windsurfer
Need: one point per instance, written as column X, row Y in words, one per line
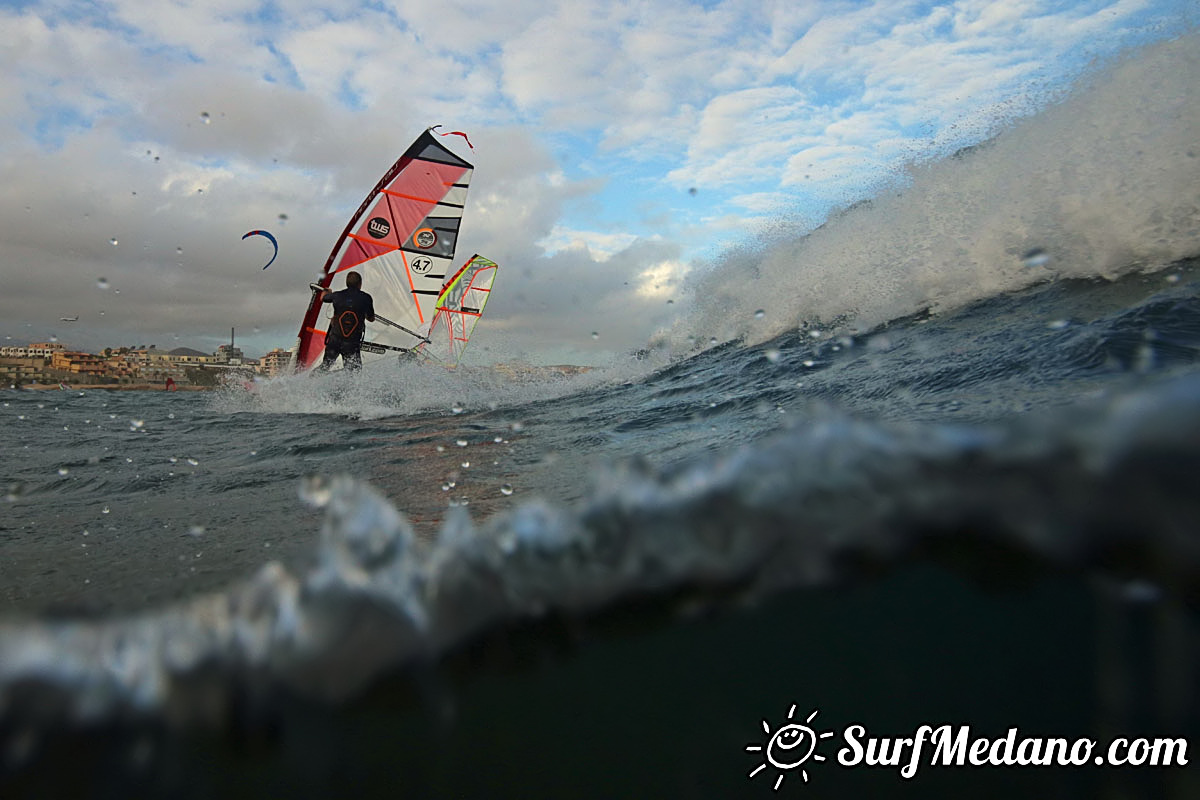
column 352, row 307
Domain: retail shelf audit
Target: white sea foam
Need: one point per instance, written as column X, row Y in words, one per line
column 387, row 389
column 1103, row 183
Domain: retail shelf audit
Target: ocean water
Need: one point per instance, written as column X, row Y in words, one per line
column 936, row 462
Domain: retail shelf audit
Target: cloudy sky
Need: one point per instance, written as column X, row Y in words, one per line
column 619, row 145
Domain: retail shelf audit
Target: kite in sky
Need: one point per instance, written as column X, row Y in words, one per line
column 269, row 236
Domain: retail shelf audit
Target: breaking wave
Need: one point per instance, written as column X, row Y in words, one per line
column 1103, row 183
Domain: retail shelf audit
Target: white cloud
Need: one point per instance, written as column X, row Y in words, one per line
column 598, row 246
column 467, row 29
column 662, row 280
column 204, row 29
column 769, row 203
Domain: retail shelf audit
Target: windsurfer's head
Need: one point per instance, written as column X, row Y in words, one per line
column 353, row 280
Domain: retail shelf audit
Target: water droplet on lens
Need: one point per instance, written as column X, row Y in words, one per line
column 759, row 314
column 105, row 510
column 508, row 542
column 595, row 335
column 461, row 442
column 193, row 462
column 1036, row 257
column 205, row 118
column 113, row 241
column 456, row 408
column 316, row 491
column 466, row 464
column 772, row 356
column 63, row 471
column 102, row 283
column 506, row 489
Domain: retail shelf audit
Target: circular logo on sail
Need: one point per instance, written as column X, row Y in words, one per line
column 379, row 227
column 422, row 264
column 425, row 238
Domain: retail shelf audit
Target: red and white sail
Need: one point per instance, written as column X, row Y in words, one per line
column 401, row 240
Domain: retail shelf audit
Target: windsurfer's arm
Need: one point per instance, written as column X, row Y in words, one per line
column 371, row 311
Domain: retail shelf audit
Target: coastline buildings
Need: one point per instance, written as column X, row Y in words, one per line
column 78, row 363
column 17, row 371
column 39, row 350
column 52, row 362
column 275, row 362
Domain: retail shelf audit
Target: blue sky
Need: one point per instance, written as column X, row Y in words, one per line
column 619, row 145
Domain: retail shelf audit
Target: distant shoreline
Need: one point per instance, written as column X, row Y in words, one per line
column 118, row 387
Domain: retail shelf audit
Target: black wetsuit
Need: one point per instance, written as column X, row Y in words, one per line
column 352, row 308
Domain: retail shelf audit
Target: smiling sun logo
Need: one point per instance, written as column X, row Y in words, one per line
column 789, row 747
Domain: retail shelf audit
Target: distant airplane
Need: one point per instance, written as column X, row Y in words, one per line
column 69, row 319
